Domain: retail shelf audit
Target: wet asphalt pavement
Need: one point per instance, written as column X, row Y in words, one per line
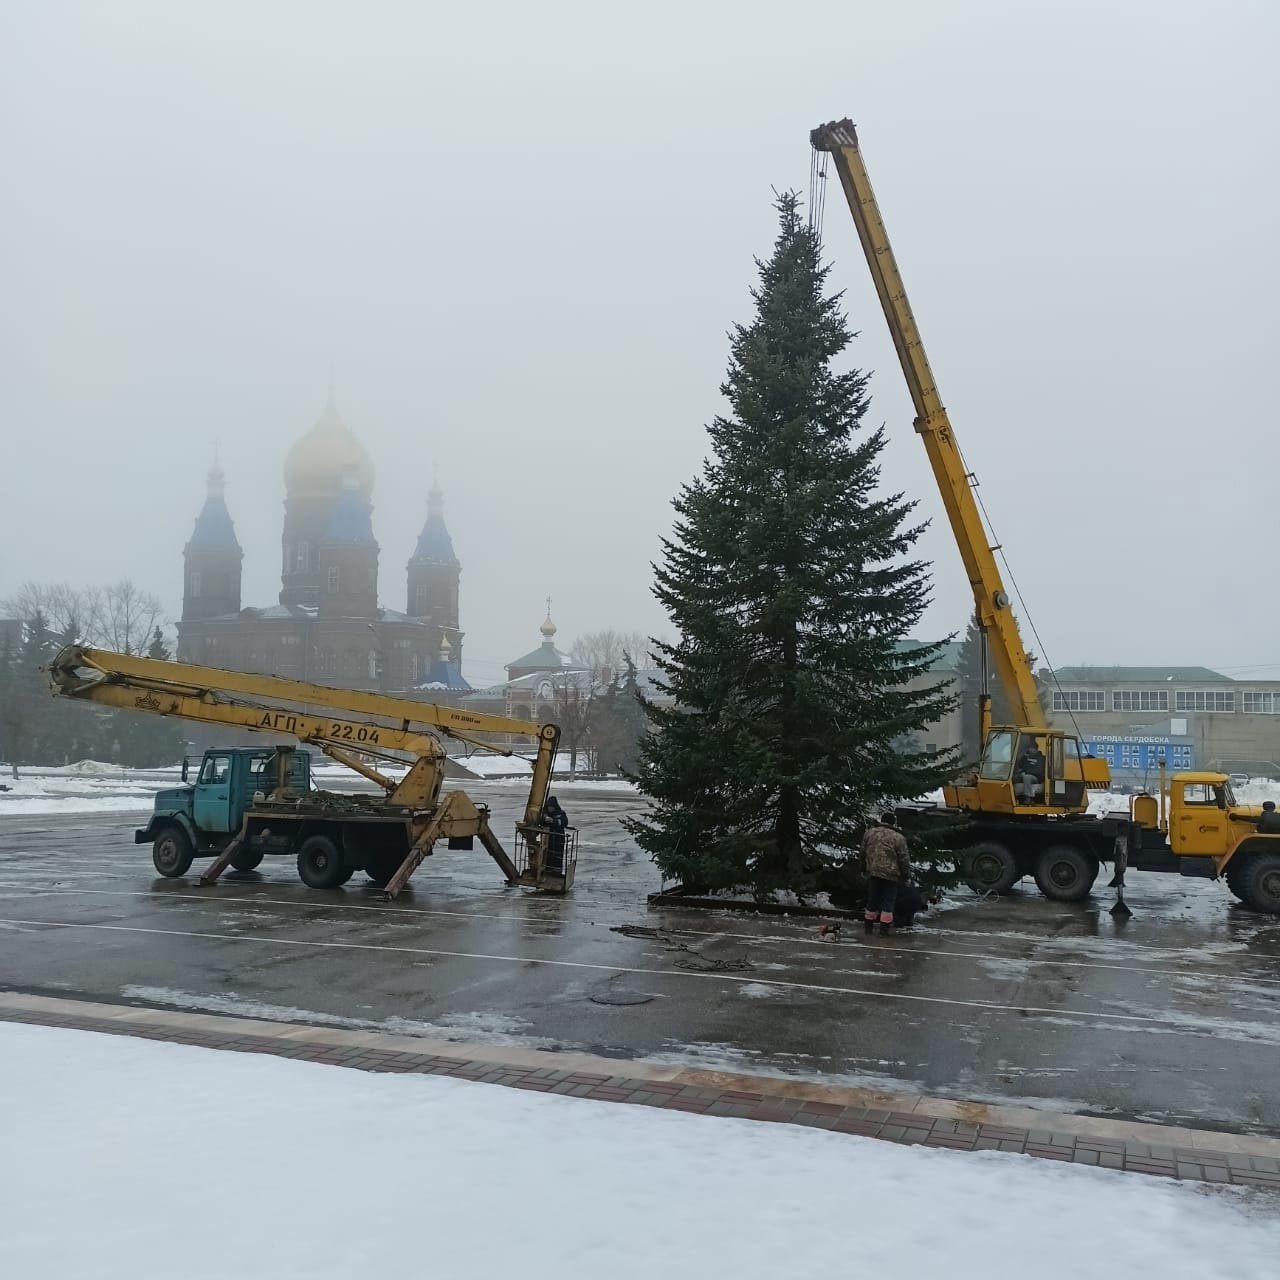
column 1174, row 1017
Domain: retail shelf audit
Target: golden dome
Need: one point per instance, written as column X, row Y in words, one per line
column 325, row 455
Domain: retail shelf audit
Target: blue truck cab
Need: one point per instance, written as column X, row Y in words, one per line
column 200, row 817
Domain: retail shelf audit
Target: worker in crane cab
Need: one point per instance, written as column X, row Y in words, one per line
column 888, row 865
column 557, row 821
column 1028, row 785
column 1269, row 819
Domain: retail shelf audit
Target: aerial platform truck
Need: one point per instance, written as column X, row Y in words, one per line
column 247, row 803
column 1026, row 803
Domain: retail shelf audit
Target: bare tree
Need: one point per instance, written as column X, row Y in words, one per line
column 128, row 618
column 601, row 653
column 601, row 658
column 574, row 698
column 70, row 613
column 122, row 616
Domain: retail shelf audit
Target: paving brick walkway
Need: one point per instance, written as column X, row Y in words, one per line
column 1180, row 1153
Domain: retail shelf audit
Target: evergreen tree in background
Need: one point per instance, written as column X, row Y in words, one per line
column 788, row 583
column 40, row 730
column 619, row 722
column 969, row 687
column 158, row 649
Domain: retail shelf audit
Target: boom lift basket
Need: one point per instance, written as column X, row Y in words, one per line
column 556, row 875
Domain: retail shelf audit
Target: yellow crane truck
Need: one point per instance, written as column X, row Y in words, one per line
column 1026, row 803
column 250, row 802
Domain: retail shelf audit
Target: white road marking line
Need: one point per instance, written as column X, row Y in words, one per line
column 991, row 1006
column 514, row 918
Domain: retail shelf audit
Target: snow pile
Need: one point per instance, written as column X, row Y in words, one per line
column 1256, row 790
column 53, row 791
column 414, row 1176
column 85, row 768
column 484, row 765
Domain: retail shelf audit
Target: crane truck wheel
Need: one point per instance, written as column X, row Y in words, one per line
column 990, row 868
column 1234, row 875
column 381, row 867
column 1065, row 874
column 247, row 861
column 320, row 863
column 172, row 852
column 1259, row 882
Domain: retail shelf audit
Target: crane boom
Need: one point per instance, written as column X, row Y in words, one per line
column 955, row 484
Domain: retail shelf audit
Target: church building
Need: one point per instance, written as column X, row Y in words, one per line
column 328, row 627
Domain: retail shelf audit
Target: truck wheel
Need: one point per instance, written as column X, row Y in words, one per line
column 172, row 853
column 248, row 860
column 381, row 869
column 1065, row 874
column 1234, row 875
column 990, row 868
column 320, row 863
column 1260, row 883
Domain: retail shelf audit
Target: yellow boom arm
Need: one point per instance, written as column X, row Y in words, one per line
column 995, row 616
column 273, row 704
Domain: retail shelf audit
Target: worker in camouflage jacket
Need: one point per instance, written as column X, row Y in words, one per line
column 888, row 865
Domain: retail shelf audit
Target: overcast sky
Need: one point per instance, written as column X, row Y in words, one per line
column 514, row 236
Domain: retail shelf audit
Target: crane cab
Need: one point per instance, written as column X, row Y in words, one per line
column 1035, row 772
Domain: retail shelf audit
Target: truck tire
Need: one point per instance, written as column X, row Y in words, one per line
column 1259, row 881
column 1234, row 875
column 381, row 868
column 172, row 852
column 1065, row 873
column 247, row 860
column 320, row 863
column 990, row 867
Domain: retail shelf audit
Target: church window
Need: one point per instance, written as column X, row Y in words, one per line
column 303, row 562
column 195, row 586
column 332, row 583
column 420, row 607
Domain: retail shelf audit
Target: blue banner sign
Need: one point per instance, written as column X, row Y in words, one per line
column 1142, row 754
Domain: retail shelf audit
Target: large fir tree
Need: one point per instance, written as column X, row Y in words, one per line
column 796, row 689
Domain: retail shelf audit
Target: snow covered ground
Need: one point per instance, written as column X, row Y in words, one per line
column 90, row 787
column 94, row 787
column 132, row 1158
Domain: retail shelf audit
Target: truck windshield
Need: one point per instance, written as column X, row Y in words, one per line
column 998, row 756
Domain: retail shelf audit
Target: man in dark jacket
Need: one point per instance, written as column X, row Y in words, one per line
column 888, row 864
column 1269, row 819
column 554, row 816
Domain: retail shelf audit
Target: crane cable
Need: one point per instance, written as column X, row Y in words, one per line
column 817, row 207
column 817, row 189
column 1013, row 582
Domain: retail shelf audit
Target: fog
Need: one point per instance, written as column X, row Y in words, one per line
column 512, row 238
